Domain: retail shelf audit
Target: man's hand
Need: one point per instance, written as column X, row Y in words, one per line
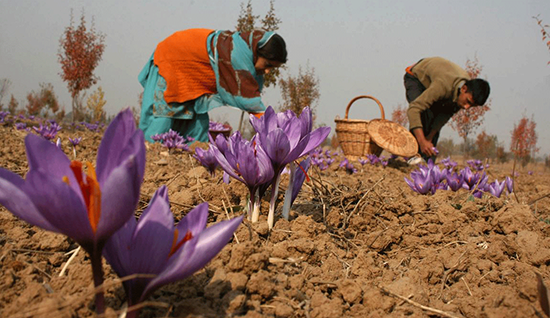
column 426, row 146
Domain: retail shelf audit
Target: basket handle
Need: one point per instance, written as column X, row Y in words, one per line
column 365, row 96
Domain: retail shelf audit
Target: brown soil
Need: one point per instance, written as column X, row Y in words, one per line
column 361, row 245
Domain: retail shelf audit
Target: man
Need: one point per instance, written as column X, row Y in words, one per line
column 436, row 89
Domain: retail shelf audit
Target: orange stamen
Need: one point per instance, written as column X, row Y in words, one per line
column 175, row 245
column 304, row 171
column 90, row 191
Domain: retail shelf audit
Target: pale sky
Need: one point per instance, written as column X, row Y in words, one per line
column 356, row 48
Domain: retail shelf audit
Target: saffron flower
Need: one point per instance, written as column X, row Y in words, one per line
column 247, row 162
column 171, row 140
column 207, row 159
column 509, row 184
column 21, row 126
column 348, row 166
column 75, row 141
column 89, row 207
column 363, row 161
column 3, row 115
column 496, row 188
column 470, row 178
column 215, row 126
column 285, row 138
column 161, row 251
column 449, row 163
column 48, row 132
column 298, row 174
column 420, row 182
column 455, row 181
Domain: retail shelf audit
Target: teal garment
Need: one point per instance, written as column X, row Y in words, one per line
column 242, row 59
column 190, row 119
column 184, row 119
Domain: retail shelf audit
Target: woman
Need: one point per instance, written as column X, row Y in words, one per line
column 194, row 71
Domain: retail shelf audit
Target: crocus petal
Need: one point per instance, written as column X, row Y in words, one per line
column 226, row 177
column 14, row 198
column 42, row 154
column 154, row 229
column 277, row 146
column 410, row 183
column 306, row 117
column 196, row 253
column 314, row 140
column 194, row 221
column 120, row 196
column 60, row 205
column 299, row 177
column 121, row 140
column 117, row 249
column 226, row 166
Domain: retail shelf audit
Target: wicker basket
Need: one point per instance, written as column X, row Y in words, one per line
column 353, row 136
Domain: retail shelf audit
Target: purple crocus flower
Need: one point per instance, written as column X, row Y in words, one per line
column 496, row 188
column 161, row 251
column 374, row 159
column 207, row 159
column 20, row 126
column 172, row 140
column 58, row 196
column 455, row 181
column 477, row 194
column 245, row 161
column 3, row 116
column 48, row 132
column 285, row 137
column 509, row 184
column 215, row 126
column 75, row 141
column 348, row 166
column 343, row 163
column 449, row 163
column 420, row 183
column 470, row 178
column 298, row 173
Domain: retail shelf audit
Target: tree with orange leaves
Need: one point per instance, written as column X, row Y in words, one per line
column 399, row 115
column 524, row 140
column 38, row 103
column 80, row 52
column 465, row 122
column 486, row 145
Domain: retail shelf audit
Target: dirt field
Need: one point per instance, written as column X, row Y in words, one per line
column 360, row 245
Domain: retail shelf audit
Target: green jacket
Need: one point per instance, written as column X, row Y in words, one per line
column 442, row 79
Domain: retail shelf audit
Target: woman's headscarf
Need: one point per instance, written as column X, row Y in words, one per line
column 233, row 56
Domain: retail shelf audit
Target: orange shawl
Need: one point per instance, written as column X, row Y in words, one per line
column 183, row 61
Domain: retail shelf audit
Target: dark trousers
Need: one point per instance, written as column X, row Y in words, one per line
column 413, row 89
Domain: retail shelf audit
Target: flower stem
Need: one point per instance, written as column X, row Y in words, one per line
column 97, row 272
column 256, row 207
column 288, row 193
column 274, row 192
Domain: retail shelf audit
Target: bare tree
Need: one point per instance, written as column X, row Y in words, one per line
column 300, row 91
column 4, row 87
